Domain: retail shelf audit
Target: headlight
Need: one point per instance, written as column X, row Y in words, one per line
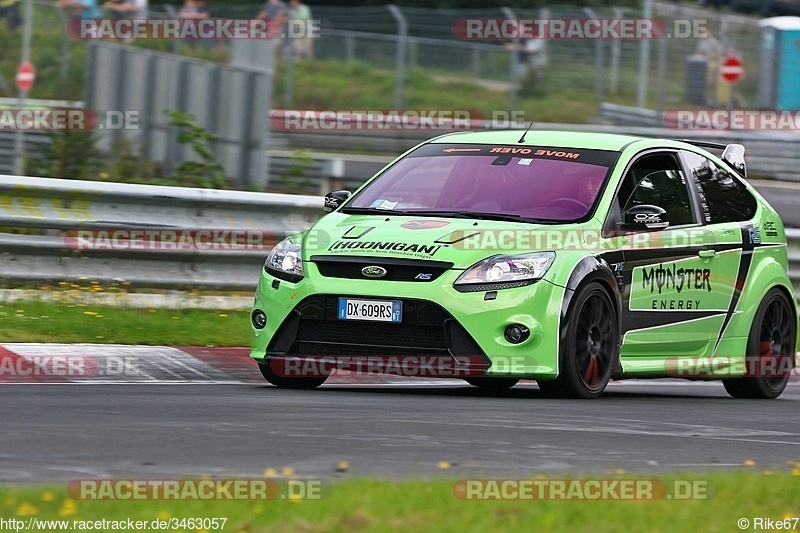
column 505, row 272
column 284, row 261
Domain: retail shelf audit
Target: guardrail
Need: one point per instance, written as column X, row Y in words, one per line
column 55, row 210
column 770, row 155
column 793, row 241
column 321, row 172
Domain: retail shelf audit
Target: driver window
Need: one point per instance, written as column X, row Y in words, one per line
column 658, row 180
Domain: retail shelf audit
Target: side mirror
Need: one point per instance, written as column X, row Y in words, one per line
column 644, row 218
column 334, row 199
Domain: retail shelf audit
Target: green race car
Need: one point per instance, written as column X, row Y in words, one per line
column 566, row 258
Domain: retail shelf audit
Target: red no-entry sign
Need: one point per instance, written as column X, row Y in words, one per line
column 26, row 75
column 732, row 69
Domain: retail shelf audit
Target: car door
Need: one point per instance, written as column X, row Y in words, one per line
column 670, row 306
column 726, row 207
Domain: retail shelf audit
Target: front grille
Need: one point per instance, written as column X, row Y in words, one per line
column 426, row 329
column 285, row 337
column 374, row 333
column 459, row 341
column 349, row 267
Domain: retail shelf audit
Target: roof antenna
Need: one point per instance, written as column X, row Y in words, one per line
column 522, row 139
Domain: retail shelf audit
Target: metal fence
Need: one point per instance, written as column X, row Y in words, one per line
column 402, row 39
column 673, row 72
column 654, row 74
column 54, row 59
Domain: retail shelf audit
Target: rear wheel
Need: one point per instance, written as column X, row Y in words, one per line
column 304, row 383
column 492, row 384
column 588, row 356
column 770, row 349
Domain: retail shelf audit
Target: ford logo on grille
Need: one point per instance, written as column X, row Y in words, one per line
column 373, row 271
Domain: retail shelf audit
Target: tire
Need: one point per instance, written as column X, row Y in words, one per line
column 589, row 354
column 300, row 383
column 492, row 384
column 771, row 345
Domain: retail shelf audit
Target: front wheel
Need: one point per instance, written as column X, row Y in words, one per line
column 770, row 350
column 589, row 353
column 302, row 383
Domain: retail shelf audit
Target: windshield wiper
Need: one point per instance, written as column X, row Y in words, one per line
column 478, row 215
column 370, row 211
column 505, row 217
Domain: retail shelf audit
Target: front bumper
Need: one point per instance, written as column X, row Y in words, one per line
column 438, row 321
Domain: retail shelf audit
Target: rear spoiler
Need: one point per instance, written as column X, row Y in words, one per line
column 733, row 154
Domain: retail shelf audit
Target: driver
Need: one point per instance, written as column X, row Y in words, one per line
column 587, row 192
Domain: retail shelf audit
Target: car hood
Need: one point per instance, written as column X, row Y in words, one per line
column 462, row 242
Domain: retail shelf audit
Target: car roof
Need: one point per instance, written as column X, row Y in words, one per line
column 565, row 139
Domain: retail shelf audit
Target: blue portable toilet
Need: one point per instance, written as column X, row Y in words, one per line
column 779, row 77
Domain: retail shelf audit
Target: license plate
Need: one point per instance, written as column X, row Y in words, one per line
column 372, row 310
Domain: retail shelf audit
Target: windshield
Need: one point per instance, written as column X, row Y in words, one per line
column 544, row 184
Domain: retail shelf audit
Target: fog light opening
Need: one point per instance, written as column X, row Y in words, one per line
column 259, row 319
column 517, row 333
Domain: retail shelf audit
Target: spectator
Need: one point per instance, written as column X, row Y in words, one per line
column 274, row 11
column 9, row 10
column 192, row 9
column 138, row 8
column 197, row 9
column 84, row 9
column 203, row 9
column 299, row 17
column 711, row 50
column 117, row 8
column 531, row 65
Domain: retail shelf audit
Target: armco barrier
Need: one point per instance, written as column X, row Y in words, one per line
column 770, row 154
column 57, row 207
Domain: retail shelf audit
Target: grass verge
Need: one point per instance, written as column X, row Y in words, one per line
column 77, row 323
column 374, row 505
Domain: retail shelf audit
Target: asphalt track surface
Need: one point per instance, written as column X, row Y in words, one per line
column 56, row 432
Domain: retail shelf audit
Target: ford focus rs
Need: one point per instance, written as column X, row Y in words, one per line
column 567, row 258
